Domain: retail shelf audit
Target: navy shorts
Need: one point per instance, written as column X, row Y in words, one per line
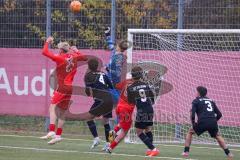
column 96, row 110
column 209, row 125
column 144, row 121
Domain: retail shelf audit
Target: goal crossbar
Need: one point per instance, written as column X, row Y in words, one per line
column 189, row 31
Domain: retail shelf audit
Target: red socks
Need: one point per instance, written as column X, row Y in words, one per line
column 52, row 127
column 116, row 128
column 59, row 132
column 113, row 144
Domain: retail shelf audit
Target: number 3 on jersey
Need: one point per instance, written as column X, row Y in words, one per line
column 209, row 104
column 101, row 79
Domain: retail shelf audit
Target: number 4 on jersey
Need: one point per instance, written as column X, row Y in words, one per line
column 101, row 79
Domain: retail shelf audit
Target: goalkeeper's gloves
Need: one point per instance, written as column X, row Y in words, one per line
column 107, row 69
column 107, row 31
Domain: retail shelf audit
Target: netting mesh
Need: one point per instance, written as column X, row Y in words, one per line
column 192, row 59
column 187, row 42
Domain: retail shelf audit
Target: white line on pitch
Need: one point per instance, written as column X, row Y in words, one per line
column 213, row 148
column 21, row 136
column 131, row 155
column 38, row 149
column 72, row 151
column 167, row 145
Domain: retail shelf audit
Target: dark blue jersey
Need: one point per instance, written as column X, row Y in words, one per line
column 205, row 109
column 97, row 80
column 140, row 94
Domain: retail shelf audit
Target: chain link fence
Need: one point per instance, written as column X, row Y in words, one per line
column 23, row 23
column 212, row 14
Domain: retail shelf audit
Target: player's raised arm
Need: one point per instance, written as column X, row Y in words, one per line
column 80, row 56
column 111, row 47
column 108, row 39
column 217, row 111
column 49, row 54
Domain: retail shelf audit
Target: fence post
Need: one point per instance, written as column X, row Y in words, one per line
column 180, row 22
column 180, row 14
column 48, row 33
column 113, row 21
column 113, row 32
column 178, row 126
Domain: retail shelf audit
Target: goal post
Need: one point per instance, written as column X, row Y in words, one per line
column 193, row 57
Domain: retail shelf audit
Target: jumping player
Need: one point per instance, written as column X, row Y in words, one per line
column 117, row 62
column 124, row 112
column 65, row 71
column 140, row 94
column 98, row 81
column 208, row 115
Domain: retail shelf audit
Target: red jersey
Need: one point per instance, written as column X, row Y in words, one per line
column 66, row 66
column 122, row 86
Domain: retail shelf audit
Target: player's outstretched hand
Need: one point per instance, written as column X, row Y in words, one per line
column 49, row 40
column 107, row 31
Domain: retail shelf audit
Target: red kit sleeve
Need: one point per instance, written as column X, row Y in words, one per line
column 81, row 57
column 50, row 55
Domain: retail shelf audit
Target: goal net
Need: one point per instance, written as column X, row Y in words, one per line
column 187, row 59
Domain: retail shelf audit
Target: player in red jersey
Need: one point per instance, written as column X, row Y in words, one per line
column 124, row 111
column 66, row 69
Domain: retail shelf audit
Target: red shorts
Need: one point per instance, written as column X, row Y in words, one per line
column 61, row 100
column 124, row 111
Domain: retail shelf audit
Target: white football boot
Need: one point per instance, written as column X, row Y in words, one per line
column 109, row 150
column 50, row 134
column 185, row 154
column 96, row 142
column 106, row 145
column 230, row 156
column 56, row 139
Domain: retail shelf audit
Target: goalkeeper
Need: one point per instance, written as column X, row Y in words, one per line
column 117, row 60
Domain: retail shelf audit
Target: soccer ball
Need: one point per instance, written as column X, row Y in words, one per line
column 75, row 6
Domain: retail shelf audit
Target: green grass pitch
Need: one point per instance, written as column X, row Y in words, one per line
column 22, row 147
